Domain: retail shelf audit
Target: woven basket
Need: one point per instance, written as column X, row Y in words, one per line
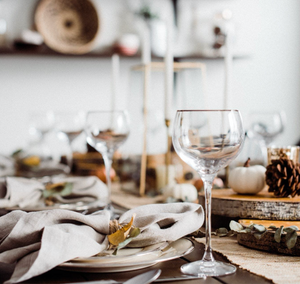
column 67, row 26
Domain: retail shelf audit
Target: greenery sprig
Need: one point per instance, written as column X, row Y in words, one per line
column 258, row 231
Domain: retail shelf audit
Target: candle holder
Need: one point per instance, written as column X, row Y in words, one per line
column 290, row 153
column 150, row 138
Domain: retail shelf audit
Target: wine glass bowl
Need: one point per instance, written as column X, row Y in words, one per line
column 106, row 131
column 264, row 128
column 208, row 147
column 70, row 124
column 40, row 124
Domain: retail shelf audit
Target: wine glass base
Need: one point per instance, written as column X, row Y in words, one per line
column 208, row 268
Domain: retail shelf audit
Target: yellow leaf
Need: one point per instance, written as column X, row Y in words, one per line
column 120, row 236
column 59, row 186
column 31, row 161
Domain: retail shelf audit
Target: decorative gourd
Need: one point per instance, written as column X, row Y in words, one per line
column 182, row 191
column 247, row 179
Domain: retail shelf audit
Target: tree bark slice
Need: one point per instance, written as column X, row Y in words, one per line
column 264, row 205
column 267, row 243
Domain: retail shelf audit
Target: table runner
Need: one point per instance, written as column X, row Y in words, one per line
column 129, row 200
column 281, row 269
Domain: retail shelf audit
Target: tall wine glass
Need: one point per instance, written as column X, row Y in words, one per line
column 106, row 131
column 40, row 124
column 208, row 148
column 71, row 125
column 264, row 128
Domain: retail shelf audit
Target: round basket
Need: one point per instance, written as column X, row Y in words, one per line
column 67, row 26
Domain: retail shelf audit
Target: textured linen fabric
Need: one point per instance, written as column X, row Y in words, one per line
column 279, row 268
column 39, row 241
column 24, row 192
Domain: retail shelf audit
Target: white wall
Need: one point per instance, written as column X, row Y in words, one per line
column 268, row 32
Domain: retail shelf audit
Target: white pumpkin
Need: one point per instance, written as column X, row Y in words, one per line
column 247, row 179
column 183, row 191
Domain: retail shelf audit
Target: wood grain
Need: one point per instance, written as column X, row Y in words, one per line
column 264, row 205
column 267, row 243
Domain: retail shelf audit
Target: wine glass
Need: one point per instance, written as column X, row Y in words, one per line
column 208, row 148
column 40, row 124
column 264, row 128
column 106, row 131
column 71, row 125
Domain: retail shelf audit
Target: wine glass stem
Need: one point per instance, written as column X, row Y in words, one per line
column 108, row 162
column 208, row 180
column 70, row 158
column 264, row 151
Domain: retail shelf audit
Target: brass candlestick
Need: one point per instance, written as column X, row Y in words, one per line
column 145, row 114
column 168, row 153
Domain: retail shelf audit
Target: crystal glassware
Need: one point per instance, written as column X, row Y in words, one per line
column 106, row 131
column 40, row 124
column 264, row 128
column 208, row 140
column 71, row 125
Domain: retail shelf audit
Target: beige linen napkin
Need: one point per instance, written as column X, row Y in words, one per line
column 24, row 192
column 39, row 241
column 7, row 167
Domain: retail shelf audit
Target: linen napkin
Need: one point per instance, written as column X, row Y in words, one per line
column 39, row 241
column 24, row 192
column 7, row 167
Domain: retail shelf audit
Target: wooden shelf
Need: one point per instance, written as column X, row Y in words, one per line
column 43, row 50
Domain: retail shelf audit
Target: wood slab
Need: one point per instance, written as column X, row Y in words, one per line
column 264, row 205
column 267, row 241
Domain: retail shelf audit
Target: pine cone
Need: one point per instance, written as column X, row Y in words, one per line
column 282, row 177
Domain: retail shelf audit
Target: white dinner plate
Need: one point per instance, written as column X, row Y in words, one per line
column 133, row 261
column 78, row 206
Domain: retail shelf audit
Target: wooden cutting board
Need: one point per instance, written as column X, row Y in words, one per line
column 264, row 205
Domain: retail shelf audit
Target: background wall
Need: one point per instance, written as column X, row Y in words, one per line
column 265, row 76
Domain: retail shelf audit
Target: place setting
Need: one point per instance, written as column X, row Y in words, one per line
column 149, row 142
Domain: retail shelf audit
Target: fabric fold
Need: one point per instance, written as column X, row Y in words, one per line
column 40, row 241
column 23, row 192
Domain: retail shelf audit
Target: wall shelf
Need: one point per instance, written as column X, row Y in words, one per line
column 45, row 51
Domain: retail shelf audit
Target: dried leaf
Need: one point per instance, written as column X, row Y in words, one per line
column 291, row 239
column 272, row 227
column 221, row 232
column 31, row 161
column 291, row 229
column 231, row 233
column 258, row 235
column 122, row 245
column 134, row 232
column 120, row 236
column 62, row 188
column 235, row 226
column 259, row 228
column 244, row 231
column 278, row 233
column 248, row 230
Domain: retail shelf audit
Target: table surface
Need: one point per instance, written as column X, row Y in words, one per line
column 169, row 269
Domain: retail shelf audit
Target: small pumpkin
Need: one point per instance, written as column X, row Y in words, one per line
column 181, row 191
column 247, row 179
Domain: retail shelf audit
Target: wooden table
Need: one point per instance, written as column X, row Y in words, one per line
column 169, row 269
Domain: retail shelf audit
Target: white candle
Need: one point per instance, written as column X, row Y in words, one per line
column 169, row 71
column 115, row 60
column 228, row 58
column 146, row 50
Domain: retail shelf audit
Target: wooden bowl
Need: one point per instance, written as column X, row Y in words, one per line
column 67, row 26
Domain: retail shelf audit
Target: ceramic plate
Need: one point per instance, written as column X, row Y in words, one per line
column 132, row 260
column 78, row 206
